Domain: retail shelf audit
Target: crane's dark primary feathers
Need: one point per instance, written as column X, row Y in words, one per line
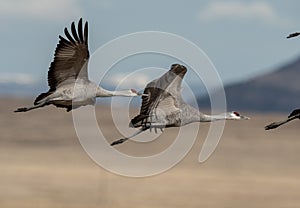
column 70, row 61
column 70, row 56
column 154, row 90
column 293, row 35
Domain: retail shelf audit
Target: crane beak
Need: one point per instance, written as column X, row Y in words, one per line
column 140, row 93
column 244, row 117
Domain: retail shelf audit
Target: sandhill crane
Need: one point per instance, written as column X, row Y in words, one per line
column 70, row 65
column 164, row 106
column 295, row 34
column 294, row 115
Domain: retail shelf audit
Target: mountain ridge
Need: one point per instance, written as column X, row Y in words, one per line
column 277, row 91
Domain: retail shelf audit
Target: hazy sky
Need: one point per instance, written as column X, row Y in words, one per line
column 243, row 38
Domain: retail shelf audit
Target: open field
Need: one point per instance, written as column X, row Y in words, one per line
column 43, row 165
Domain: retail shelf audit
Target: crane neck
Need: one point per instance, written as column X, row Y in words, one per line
column 107, row 93
column 210, row 118
column 194, row 115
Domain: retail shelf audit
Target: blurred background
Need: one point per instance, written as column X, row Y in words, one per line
column 42, row 162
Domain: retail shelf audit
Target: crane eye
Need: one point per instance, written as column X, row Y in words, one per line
column 236, row 113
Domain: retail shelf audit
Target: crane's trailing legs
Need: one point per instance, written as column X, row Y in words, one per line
column 294, row 115
column 144, row 128
column 24, row 109
column 120, row 141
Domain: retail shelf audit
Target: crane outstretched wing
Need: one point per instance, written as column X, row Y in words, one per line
column 70, row 57
column 163, row 92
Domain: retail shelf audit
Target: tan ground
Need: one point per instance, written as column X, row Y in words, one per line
column 43, row 165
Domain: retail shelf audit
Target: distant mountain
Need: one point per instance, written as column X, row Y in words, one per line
column 278, row 91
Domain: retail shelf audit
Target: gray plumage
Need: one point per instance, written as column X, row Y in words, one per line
column 164, row 106
column 70, row 67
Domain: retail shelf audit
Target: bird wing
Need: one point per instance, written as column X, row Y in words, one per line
column 293, row 35
column 70, row 57
column 167, row 110
column 163, row 93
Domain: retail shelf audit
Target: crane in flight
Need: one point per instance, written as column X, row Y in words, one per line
column 70, row 68
column 164, row 106
column 294, row 115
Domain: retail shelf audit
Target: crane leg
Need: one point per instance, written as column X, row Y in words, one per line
column 119, row 141
column 155, row 126
column 279, row 123
column 24, row 109
column 147, row 126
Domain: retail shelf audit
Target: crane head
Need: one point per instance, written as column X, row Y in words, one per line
column 137, row 93
column 236, row 116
